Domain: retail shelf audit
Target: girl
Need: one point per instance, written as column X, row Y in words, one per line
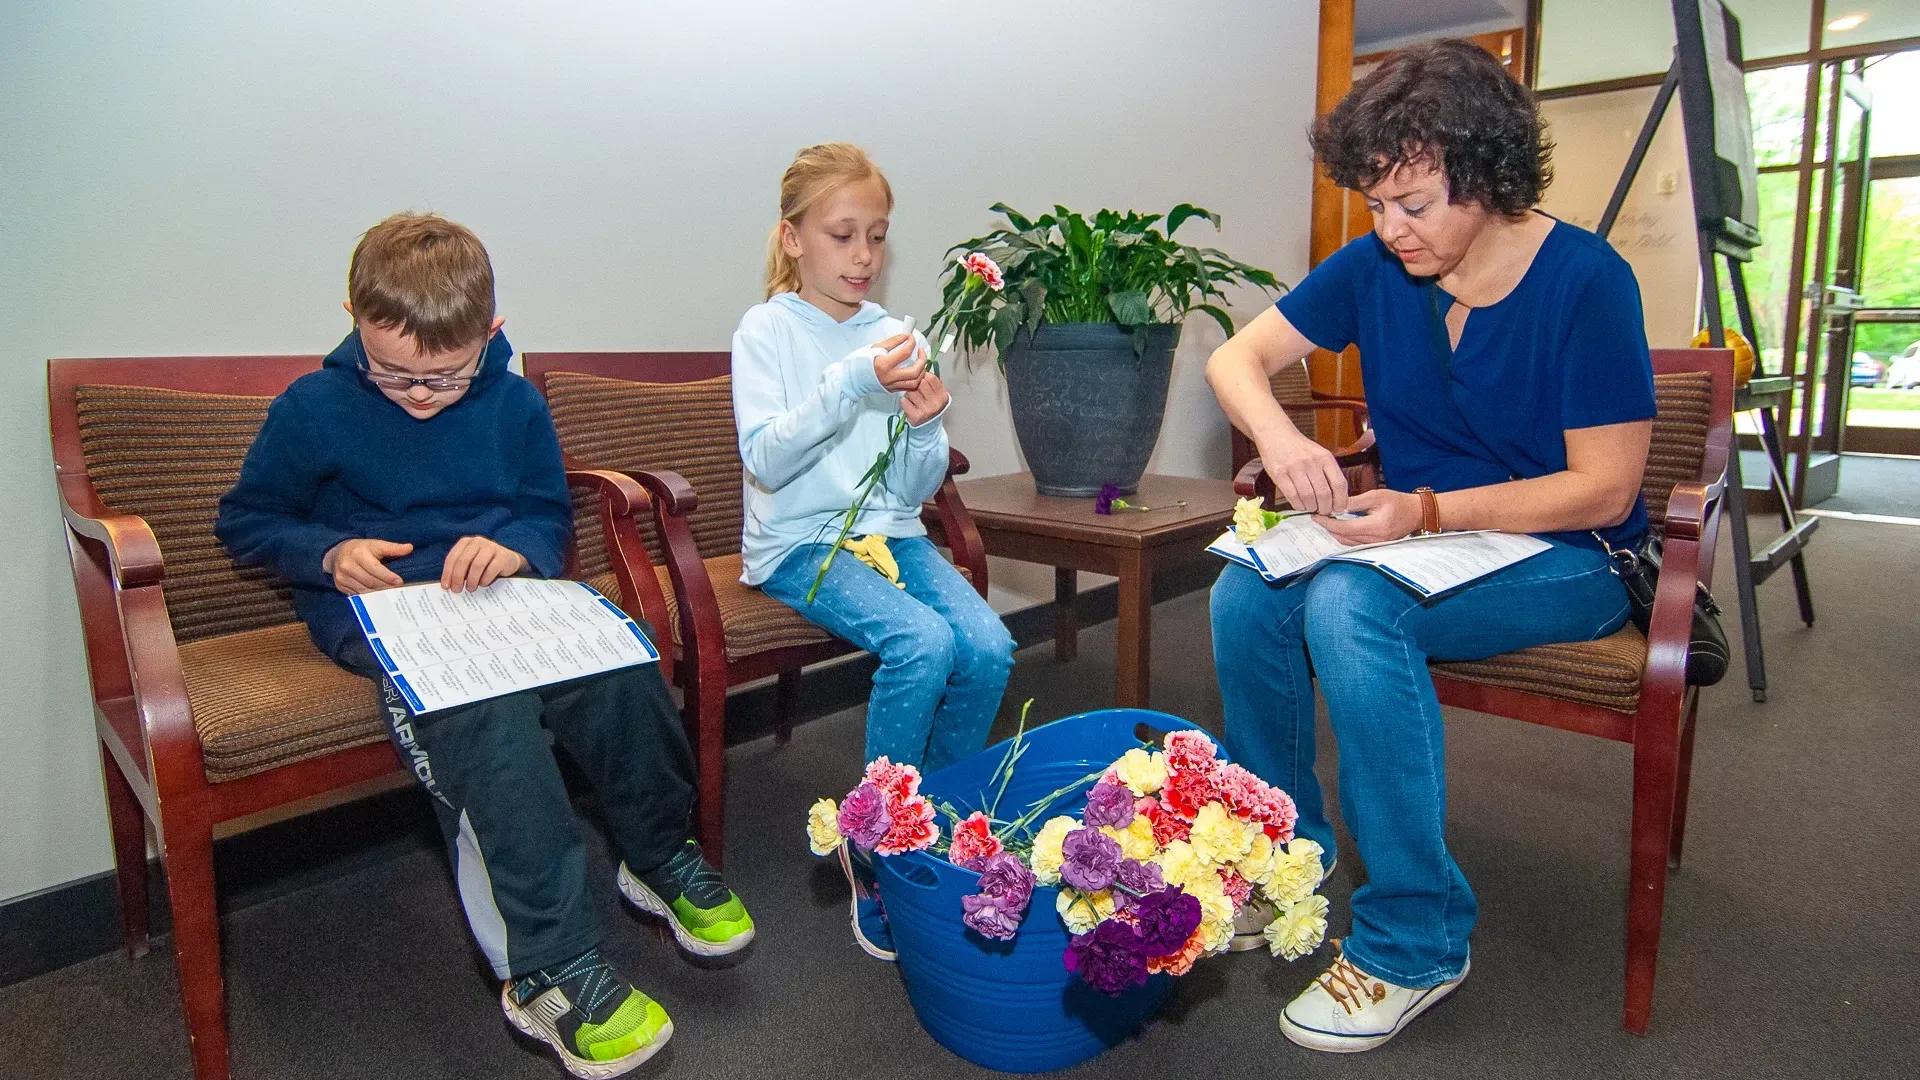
column 818, row 372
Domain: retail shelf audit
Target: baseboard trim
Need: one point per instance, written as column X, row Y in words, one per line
column 78, row 920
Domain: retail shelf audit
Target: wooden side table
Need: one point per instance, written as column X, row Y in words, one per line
column 1016, row 522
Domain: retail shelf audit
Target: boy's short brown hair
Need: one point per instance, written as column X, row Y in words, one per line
column 425, row 275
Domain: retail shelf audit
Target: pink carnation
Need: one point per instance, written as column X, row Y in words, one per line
column 1190, row 751
column 973, row 842
column 1253, row 799
column 896, row 782
column 1167, row 825
column 1187, row 791
column 986, row 269
column 1238, row 889
column 912, row 829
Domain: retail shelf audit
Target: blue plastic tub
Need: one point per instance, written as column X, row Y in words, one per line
column 1012, row 1005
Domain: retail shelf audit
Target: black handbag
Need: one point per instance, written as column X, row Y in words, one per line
column 1639, row 569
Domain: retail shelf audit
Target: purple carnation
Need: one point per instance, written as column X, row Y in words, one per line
column 1167, row 918
column 1109, row 804
column 1103, row 502
column 1132, row 881
column 864, row 818
column 1091, row 858
column 1110, row 959
column 1006, row 887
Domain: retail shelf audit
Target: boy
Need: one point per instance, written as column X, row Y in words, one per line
column 415, row 455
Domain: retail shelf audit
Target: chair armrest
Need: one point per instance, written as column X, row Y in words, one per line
column 703, row 632
column 955, row 522
column 1253, row 482
column 133, row 553
column 1353, row 406
column 621, row 500
column 1693, row 512
column 957, row 464
column 669, row 489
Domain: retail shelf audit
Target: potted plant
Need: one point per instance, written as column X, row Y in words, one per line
column 1084, row 315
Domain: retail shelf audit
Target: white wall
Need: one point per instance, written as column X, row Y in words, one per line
column 191, row 177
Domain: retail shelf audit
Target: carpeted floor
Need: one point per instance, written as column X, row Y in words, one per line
column 1791, row 947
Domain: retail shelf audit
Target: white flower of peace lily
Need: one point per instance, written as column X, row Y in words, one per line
column 823, row 828
column 1299, row 928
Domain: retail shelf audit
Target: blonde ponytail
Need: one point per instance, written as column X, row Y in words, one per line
column 816, row 172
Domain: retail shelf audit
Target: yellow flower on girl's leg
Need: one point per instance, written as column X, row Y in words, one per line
column 872, row 549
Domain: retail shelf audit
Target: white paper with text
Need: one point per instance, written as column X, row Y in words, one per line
column 443, row 649
column 1429, row 565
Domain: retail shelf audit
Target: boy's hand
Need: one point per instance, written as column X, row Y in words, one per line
column 888, row 366
column 476, row 561
column 924, row 401
column 357, row 565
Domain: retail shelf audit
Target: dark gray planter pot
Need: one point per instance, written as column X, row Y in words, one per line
column 1087, row 410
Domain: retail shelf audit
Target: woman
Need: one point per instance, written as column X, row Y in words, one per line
column 1509, row 386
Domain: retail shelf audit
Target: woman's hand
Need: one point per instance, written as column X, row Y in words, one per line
column 925, row 400
column 475, row 562
column 1384, row 515
column 891, row 367
column 1304, row 472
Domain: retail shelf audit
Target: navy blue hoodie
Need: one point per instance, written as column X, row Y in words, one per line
column 336, row 460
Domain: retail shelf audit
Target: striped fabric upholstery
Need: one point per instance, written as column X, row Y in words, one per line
column 168, row 456
column 1292, row 386
column 686, row 427
column 261, row 695
column 1607, row 672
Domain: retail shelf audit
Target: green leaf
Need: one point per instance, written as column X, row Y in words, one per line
column 1006, row 323
column 1219, row 316
column 1179, row 215
column 1018, row 219
column 1130, row 308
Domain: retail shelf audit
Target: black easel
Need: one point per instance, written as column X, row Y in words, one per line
column 1724, row 233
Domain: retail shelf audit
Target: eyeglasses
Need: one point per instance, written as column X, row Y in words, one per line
column 438, row 384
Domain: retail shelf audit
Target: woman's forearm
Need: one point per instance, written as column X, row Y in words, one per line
column 1560, row 502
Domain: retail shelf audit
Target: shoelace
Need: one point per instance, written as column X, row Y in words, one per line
column 1354, row 989
column 699, row 883
column 588, row 982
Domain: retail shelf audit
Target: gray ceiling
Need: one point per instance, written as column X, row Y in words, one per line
column 1380, row 23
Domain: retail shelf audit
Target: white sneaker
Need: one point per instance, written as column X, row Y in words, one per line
column 1250, row 926
column 1347, row 1010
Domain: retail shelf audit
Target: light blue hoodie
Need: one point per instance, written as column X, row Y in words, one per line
column 812, row 418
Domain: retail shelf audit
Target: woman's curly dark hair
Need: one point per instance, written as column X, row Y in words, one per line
column 1449, row 102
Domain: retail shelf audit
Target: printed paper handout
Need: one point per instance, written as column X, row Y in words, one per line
column 1429, row 565
column 445, row 648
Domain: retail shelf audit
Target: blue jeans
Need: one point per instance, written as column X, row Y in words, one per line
column 944, row 655
column 1370, row 640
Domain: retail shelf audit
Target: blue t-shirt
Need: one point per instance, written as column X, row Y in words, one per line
column 1567, row 348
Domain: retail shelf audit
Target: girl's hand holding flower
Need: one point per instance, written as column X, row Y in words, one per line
column 891, row 367
column 1385, row 515
column 925, row 400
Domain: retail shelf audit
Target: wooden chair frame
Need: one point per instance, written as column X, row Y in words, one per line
column 1660, row 730
column 702, row 670
column 151, row 756
column 1244, row 451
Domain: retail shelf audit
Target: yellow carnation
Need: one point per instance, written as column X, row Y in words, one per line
column 1144, row 773
column 1248, row 520
column 1216, row 912
column 1046, row 848
column 1083, row 911
column 1257, row 865
column 1299, row 928
column 1296, row 872
column 1136, row 840
column 823, row 827
column 1180, row 866
column 1219, row 838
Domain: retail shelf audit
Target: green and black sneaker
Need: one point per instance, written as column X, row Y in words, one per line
column 707, row 919
column 600, row 1026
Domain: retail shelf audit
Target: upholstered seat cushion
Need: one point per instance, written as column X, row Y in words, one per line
column 1605, row 673
column 265, row 698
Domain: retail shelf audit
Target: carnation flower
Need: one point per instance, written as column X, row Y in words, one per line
column 1257, row 864
column 1299, row 928
column 1047, row 848
column 1091, row 858
column 1110, row 959
column 912, row 829
column 1180, row 866
column 1006, row 888
column 863, row 818
column 1250, row 519
column 1166, row 919
column 1187, row 791
column 1181, row 962
column 979, row 265
column 1219, row 838
column 1190, row 750
column 1253, row 799
column 823, row 827
column 1103, row 502
column 1296, row 872
column 1167, row 825
column 1083, row 911
column 1136, row 840
column 1133, row 880
column 1142, row 772
column 973, row 842
column 896, row 782
column 1237, row 888
column 1109, row 804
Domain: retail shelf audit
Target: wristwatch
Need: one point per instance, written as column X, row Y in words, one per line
column 1429, row 511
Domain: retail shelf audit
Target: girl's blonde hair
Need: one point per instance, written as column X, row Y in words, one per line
column 816, row 172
